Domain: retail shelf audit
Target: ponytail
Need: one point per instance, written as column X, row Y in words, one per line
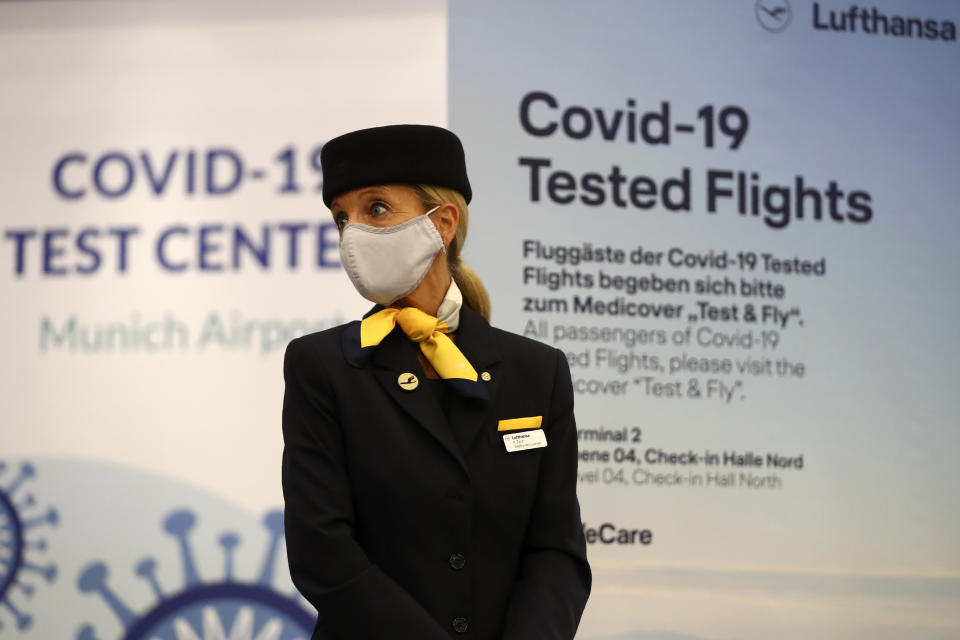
column 474, row 292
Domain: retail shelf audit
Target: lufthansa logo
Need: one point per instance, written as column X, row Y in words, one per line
column 408, row 381
column 773, row 15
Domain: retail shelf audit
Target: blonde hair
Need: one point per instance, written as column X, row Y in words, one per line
column 474, row 293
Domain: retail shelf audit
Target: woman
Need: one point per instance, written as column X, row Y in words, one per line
column 429, row 466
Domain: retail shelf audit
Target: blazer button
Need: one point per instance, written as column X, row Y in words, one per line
column 460, row 625
column 457, row 561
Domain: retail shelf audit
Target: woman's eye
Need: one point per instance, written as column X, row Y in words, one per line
column 378, row 208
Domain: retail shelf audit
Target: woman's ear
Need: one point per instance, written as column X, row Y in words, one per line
column 446, row 219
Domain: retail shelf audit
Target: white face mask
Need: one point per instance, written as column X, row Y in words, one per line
column 388, row 263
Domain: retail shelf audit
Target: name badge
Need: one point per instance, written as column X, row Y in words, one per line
column 525, row 440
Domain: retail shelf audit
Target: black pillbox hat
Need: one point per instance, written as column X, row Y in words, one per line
column 396, row 154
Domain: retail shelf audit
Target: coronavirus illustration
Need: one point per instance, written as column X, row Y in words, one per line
column 20, row 519
column 225, row 609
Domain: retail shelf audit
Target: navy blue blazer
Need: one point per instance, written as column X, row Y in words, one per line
column 401, row 523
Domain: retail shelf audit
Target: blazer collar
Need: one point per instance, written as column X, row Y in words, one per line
column 474, row 339
column 396, row 355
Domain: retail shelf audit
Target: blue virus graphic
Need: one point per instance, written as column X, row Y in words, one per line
column 16, row 523
column 228, row 609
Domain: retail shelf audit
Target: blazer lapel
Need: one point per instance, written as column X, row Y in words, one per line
column 475, row 340
column 395, row 356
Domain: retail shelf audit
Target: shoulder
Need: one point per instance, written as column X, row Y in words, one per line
column 309, row 351
column 531, row 361
column 514, row 345
column 507, row 346
column 488, row 340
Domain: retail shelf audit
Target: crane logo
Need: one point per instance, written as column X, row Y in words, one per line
column 773, row 15
column 227, row 609
column 18, row 542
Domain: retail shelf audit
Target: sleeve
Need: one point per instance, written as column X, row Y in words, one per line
column 554, row 582
column 353, row 597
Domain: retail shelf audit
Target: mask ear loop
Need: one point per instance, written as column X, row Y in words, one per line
column 443, row 247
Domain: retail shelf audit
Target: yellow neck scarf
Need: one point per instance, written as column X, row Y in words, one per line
column 439, row 350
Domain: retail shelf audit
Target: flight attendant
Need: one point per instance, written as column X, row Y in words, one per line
column 430, row 460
